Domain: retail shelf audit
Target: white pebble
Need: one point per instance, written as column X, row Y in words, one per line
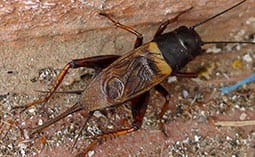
column 243, row 116
column 247, row 58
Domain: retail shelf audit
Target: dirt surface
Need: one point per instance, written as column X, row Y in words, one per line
column 37, row 43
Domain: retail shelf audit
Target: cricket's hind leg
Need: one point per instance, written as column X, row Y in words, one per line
column 90, row 62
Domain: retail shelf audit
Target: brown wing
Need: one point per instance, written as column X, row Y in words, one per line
column 137, row 75
column 132, row 74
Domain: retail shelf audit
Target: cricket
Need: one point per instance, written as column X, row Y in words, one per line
column 130, row 77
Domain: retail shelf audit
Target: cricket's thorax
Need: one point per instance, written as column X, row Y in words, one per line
column 179, row 46
column 129, row 76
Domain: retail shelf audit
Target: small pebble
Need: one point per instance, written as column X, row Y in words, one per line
column 243, row 116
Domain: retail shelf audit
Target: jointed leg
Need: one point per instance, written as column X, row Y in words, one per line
column 138, row 106
column 139, row 39
column 185, row 74
column 163, row 26
column 91, row 62
column 165, row 93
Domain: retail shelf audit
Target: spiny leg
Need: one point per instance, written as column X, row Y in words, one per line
column 138, row 106
column 185, row 74
column 163, row 25
column 90, row 62
column 165, row 93
column 82, row 128
column 139, row 36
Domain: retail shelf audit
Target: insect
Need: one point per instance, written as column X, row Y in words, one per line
column 130, row 77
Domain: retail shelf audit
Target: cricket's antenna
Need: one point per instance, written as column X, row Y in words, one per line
column 227, row 42
column 220, row 13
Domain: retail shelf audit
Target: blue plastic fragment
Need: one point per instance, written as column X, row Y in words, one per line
column 228, row 89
